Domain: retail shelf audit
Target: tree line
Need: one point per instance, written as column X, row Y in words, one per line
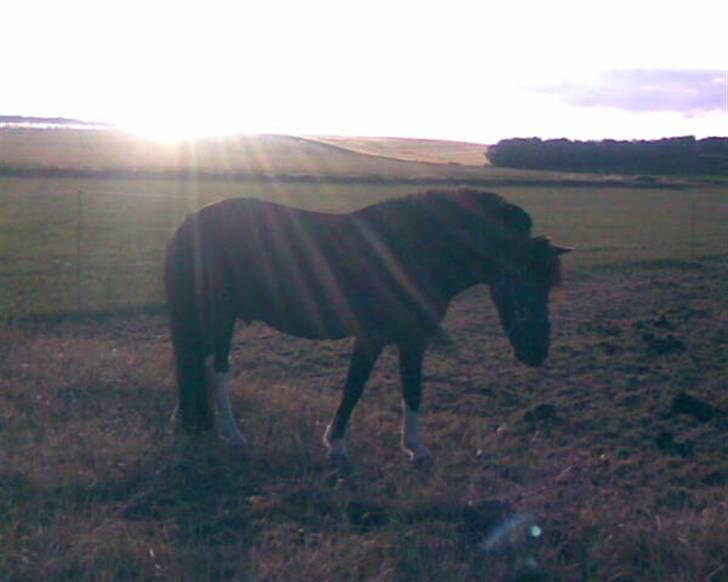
column 677, row 155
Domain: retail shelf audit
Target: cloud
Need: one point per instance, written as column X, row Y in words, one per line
column 689, row 92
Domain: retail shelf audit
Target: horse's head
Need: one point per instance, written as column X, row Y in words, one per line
column 521, row 294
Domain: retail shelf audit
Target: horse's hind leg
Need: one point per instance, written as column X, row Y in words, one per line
column 362, row 361
column 410, row 371
column 217, row 369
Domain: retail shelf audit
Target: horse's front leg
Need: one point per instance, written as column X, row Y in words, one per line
column 410, row 372
column 362, row 361
column 226, row 425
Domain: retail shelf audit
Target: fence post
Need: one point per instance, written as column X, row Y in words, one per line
column 692, row 230
column 79, row 234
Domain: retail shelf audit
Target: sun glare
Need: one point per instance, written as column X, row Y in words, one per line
column 325, row 67
column 178, row 114
column 170, row 130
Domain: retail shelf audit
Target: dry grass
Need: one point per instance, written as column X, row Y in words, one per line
column 414, row 150
column 94, row 486
column 111, row 151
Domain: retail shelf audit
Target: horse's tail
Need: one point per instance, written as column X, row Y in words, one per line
column 181, row 277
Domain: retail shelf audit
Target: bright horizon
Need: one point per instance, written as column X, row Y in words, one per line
column 456, row 70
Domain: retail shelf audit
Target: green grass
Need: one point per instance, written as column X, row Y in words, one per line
column 124, row 227
column 611, row 226
column 125, row 224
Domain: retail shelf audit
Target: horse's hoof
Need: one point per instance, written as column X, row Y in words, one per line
column 423, row 462
column 336, row 447
column 338, row 456
column 234, row 440
column 418, row 456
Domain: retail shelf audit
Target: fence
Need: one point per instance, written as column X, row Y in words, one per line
column 65, row 249
column 75, row 252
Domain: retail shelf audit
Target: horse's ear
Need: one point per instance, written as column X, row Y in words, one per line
column 545, row 242
column 558, row 251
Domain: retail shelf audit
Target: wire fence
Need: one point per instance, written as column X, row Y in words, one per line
column 86, row 251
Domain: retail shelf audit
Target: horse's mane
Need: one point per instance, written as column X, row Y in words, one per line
column 458, row 204
column 470, row 216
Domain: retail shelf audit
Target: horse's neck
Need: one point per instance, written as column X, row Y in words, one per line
column 431, row 251
column 453, row 267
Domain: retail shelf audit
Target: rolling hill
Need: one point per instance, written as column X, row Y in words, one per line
column 113, row 151
column 105, row 153
column 414, row 150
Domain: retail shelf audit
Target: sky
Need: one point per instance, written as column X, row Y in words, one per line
column 476, row 71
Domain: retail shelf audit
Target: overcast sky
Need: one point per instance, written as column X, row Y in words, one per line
column 477, row 71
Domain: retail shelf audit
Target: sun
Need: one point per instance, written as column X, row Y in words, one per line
column 171, row 117
column 171, row 129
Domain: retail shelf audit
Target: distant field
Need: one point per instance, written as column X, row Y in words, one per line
column 125, row 224
column 110, row 151
column 420, row 150
column 113, row 154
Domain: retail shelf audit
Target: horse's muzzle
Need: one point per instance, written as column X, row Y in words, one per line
column 532, row 357
column 531, row 346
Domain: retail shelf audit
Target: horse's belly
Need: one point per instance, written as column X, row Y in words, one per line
column 319, row 299
column 294, row 315
column 311, row 330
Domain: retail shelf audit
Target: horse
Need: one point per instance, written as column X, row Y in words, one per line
column 384, row 275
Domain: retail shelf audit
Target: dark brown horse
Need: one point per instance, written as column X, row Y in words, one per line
column 384, row 275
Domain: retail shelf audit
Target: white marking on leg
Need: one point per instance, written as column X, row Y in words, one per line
column 226, row 425
column 174, row 418
column 336, row 447
column 411, row 442
column 226, row 420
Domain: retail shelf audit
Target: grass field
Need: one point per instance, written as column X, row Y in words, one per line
column 610, row 463
column 121, row 227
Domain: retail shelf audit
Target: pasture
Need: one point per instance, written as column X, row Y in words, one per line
column 87, row 244
column 610, row 463
column 587, row 469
